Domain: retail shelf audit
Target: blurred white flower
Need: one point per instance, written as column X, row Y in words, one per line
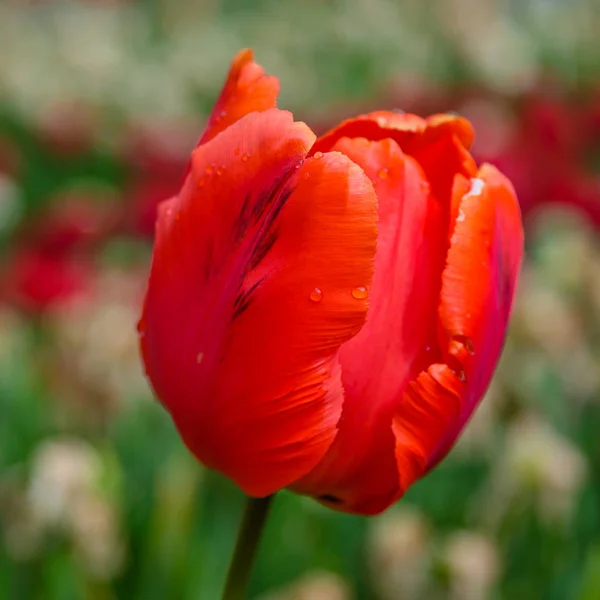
column 97, row 341
column 398, row 554
column 473, row 565
column 63, row 471
column 538, row 466
column 552, row 466
column 64, row 496
column 96, row 536
column 316, row 585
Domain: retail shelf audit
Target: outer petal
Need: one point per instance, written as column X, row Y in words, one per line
column 478, row 286
column 247, row 89
column 359, row 473
column 239, row 353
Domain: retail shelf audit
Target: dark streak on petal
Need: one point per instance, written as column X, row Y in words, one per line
column 263, row 247
column 242, row 302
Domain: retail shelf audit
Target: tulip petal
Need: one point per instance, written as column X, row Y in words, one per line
column 478, row 286
column 250, row 299
column 440, row 143
column 359, row 473
column 247, row 89
column 411, row 132
column 429, row 406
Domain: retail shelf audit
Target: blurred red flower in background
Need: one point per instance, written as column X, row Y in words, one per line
column 325, row 314
column 52, row 259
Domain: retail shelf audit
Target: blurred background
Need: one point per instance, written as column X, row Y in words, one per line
column 100, row 104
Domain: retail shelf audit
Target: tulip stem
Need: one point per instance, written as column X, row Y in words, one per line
column 249, row 534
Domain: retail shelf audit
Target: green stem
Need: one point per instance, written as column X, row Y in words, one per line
column 251, row 528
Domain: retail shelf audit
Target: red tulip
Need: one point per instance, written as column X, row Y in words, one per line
column 325, row 314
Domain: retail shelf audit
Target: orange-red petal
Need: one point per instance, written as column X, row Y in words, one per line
column 411, row 132
column 247, row 89
column 250, row 298
column 440, row 143
column 478, row 286
column 359, row 472
column 430, row 406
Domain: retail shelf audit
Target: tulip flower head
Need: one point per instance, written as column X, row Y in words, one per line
column 325, row 314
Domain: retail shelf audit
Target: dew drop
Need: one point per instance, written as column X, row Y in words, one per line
column 360, row 292
column 199, row 357
column 245, row 157
column 219, row 171
column 209, row 169
column 236, row 152
column 461, row 375
column 466, row 341
column 316, row 295
column 424, row 187
column 318, row 155
column 382, row 173
column 201, row 182
column 222, row 114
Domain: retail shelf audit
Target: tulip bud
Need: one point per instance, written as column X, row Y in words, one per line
column 325, row 314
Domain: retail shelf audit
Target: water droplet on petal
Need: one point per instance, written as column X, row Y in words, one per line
column 466, row 341
column 318, row 155
column 236, row 152
column 424, row 186
column 209, row 169
column 219, row 171
column 461, row 375
column 245, row 157
column 222, row 114
column 201, row 182
column 382, row 173
column 316, row 295
column 199, row 357
column 360, row 292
